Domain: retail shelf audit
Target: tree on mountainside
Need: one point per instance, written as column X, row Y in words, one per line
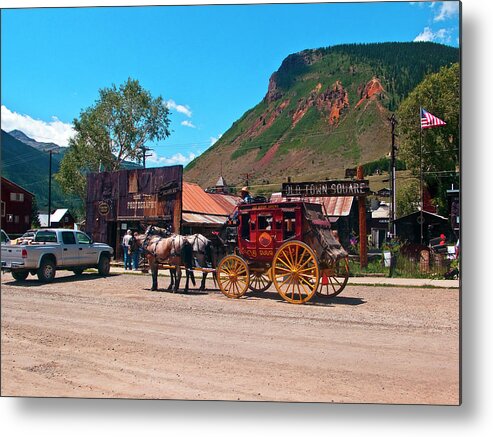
column 439, row 94
column 114, row 129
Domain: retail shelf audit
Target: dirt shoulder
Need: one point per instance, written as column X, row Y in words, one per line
column 113, row 337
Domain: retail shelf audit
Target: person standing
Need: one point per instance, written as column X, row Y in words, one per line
column 127, row 262
column 135, row 251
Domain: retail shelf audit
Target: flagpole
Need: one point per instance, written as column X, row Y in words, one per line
column 421, row 174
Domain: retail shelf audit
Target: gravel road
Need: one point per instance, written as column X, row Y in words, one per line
column 112, row 337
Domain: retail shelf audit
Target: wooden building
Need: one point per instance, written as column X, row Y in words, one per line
column 132, row 199
column 60, row 218
column 16, row 208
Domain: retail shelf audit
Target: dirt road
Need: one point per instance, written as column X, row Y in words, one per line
column 112, row 337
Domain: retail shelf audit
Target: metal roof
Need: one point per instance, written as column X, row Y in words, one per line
column 334, row 206
column 58, row 215
column 196, row 200
column 383, row 211
column 221, row 182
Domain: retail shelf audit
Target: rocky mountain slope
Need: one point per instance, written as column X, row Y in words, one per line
column 44, row 147
column 325, row 110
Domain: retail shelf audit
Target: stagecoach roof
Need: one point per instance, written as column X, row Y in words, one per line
column 334, row 206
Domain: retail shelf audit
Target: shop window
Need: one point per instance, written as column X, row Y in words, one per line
column 26, row 220
column 10, row 218
column 16, row 219
column 3, row 209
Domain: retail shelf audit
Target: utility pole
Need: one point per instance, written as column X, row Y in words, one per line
column 363, row 254
column 247, row 178
column 393, row 209
column 49, row 193
column 144, row 150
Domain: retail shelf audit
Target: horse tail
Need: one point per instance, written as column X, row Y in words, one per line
column 187, row 259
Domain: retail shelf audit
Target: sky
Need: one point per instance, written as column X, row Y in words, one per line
column 209, row 63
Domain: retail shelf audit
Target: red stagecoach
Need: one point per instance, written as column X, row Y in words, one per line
column 289, row 244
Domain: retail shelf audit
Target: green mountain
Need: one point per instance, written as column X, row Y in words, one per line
column 26, row 162
column 325, row 110
column 29, row 168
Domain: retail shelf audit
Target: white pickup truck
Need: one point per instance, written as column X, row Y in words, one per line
column 56, row 249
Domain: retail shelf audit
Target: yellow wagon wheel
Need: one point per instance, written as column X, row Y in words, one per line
column 295, row 272
column 334, row 278
column 260, row 281
column 233, row 276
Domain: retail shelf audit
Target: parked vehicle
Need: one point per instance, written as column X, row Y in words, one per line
column 4, row 237
column 56, row 249
column 25, row 238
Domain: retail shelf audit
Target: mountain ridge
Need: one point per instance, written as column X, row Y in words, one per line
column 325, row 110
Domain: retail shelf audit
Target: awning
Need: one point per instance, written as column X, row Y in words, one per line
column 203, row 219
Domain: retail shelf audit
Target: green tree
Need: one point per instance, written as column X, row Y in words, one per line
column 407, row 197
column 114, row 129
column 439, row 94
column 35, row 224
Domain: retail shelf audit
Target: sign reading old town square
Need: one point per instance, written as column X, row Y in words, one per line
column 326, row 188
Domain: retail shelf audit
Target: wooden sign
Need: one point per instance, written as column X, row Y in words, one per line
column 326, row 188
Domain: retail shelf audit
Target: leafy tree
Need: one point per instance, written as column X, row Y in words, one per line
column 114, row 129
column 407, row 197
column 439, row 94
column 35, row 224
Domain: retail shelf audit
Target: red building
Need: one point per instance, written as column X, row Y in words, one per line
column 16, row 208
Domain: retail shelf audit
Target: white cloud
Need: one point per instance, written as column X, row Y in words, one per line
column 176, row 159
column 53, row 131
column 214, row 139
column 188, row 123
column 441, row 35
column 183, row 109
column 446, row 10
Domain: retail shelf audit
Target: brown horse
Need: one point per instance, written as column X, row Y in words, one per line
column 201, row 251
column 174, row 250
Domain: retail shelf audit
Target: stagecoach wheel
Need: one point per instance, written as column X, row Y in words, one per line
column 295, row 272
column 334, row 278
column 260, row 281
column 233, row 276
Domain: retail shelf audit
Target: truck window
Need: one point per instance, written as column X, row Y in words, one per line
column 45, row 237
column 68, row 237
column 82, row 238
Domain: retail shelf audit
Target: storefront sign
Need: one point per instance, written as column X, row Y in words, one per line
column 326, row 189
column 103, row 208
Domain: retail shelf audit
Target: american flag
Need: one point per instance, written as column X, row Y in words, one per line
column 429, row 120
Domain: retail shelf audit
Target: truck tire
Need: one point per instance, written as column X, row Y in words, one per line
column 47, row 270
column 20, row 276
column 104, row 265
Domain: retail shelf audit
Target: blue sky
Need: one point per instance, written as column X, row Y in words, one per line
column 210, row 63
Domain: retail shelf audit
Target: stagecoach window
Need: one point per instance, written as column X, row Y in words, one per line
column 245, row 226
column 289, row 228
column 265, row 222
